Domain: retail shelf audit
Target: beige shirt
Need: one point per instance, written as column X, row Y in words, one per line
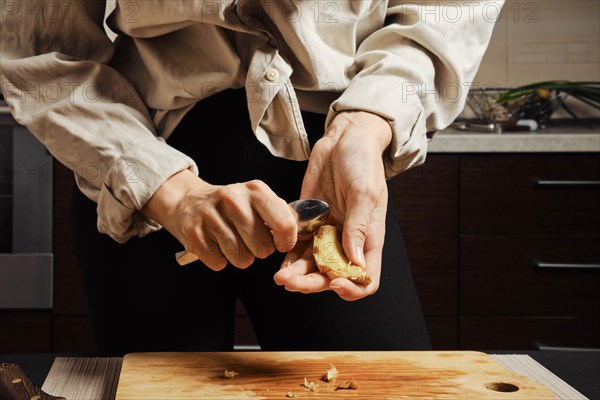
column 104, row 109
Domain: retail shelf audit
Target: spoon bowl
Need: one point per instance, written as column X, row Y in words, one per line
column 310, row 214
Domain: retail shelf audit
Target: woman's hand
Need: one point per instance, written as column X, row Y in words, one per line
column 223, row 223
column 346, row 170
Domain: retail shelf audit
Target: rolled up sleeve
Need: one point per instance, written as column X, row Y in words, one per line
column 416, row 71
column 56, row 79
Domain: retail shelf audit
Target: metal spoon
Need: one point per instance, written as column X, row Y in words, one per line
column 310, row 214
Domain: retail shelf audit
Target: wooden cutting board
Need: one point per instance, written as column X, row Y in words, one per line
column 280, row 375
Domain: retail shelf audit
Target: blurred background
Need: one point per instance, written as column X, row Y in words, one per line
column 543, row 40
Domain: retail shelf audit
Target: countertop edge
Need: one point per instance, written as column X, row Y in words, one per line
column 452, row 141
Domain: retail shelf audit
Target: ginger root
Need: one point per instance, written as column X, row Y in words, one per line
column 330, row 257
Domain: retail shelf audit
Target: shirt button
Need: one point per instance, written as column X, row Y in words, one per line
column 272, row 75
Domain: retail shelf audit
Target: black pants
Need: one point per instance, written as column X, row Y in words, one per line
column 140, row 299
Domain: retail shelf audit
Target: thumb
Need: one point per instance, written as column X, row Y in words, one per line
column 359, row 213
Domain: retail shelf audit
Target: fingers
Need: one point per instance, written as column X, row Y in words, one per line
column 364, row 231
column 363, row 237
column 210, row 254
column 216, row 252
column 275, row 212
column 373, row 250
column 228, row 224
column 246, row 223
column 350, row 291
column 360, row 205
column 298, row 272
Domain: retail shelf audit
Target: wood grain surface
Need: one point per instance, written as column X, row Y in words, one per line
column 14, row 384
column 280, row 375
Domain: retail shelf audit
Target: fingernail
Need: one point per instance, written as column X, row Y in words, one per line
column 361, row 256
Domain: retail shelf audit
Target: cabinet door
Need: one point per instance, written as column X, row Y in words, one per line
column 529, row 248
column 520, row 275
column 71, row 328
column 426, row 200
column 443, row 332
column 25, row 332
column 511, row 333
column 69, row 295
column 531, row 194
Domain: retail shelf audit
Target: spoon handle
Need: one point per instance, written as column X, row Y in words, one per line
column 184, row 258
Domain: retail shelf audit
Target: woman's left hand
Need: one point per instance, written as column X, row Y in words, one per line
column 346, row 170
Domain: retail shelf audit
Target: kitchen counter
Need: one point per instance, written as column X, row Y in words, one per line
column 548, row 140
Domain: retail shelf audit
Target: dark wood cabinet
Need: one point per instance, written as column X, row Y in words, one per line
column 514, row 264
column 510, row 333
column 426, row 199
column 25, row 331
column 72, row 331
column 530, row 194
column 500, row 276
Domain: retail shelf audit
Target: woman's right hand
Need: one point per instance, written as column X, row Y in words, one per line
column 236, row 223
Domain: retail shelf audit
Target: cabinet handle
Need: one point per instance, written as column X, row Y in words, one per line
column 544, row 182
column 541, row 346
column 545, row 265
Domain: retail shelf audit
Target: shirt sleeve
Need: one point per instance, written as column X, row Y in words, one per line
column 417, row 69
column 55, row 77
